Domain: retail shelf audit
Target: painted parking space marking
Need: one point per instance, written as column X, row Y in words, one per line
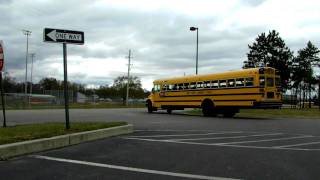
column 132, row 169
column 188, row 139
column 264, row 140
column 225, row 145
column 301, row 144
column 178, row 135
column 228, row 137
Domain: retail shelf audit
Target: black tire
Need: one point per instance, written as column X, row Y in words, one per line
column 169, row 111
column 208, row 108
column 149, row 106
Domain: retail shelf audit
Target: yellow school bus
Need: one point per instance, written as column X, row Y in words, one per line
column 221, row 93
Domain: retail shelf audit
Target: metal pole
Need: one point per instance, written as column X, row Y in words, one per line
column 32, row 56
column 66, row 98
column 27, row 33
column 129, row 59
column 2, row 100
column 319, row 94
column 197, row 52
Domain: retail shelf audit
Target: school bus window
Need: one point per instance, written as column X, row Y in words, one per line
column 231, row 83
column 249, row 81
column 207, row 84
column 193, row 85
column 278, row 82
column 270, row 82
column 262, row 81
column 199, row 85
column 180, row 86
column 186, row 85
column 156, row 88
column 215, row 84
column 240, row 82
column 176, row 86
column 222, row 83
column 164, row 87
column 170, row 87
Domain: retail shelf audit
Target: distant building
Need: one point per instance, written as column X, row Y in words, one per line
column 81, row 98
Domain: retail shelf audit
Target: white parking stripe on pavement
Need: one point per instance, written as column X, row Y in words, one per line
column 227, row 137
column 179, row 135
column 264, row 140
column 225, row 145
column 125, row 168
column 301, row 144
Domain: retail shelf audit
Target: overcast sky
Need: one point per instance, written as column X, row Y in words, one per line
column 157, row 32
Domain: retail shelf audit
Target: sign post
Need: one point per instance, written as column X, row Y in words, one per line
column 65, row 37
column 66, row 95
column 1, row 85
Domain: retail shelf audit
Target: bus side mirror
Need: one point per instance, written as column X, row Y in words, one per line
column 152, row 90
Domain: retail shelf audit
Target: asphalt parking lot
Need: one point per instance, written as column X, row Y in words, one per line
column 163, row 147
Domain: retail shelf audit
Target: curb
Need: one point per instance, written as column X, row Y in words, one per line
column 27, row 147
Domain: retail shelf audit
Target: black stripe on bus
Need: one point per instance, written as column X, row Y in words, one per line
column 236, row 100
column 179, row 101
column 200, row 100
column 239, row 94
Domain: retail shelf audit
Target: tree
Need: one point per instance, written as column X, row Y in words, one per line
column 9, row 84
column 120, row 85
column 270, row 51
column 302, row 69
column 50, row 83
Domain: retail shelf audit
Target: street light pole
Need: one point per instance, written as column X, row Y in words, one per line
column 27, row 33
column 32, row 56
column 196, row 29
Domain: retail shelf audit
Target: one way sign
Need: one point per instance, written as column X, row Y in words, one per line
column 63, row 36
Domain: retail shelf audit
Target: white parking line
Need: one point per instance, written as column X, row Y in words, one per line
column 228, row 137
column 301, row 144
column 172, row 130
column 225, row 145
column 264, row 140
column 125, row 168
column 179, row 135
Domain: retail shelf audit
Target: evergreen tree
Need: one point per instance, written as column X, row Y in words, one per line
column 302, row 69
column 270, row 51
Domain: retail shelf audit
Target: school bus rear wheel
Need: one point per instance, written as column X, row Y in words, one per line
column 149, row 106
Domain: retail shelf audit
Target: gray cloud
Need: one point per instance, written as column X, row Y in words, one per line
column 252, row 2
column 161, row 41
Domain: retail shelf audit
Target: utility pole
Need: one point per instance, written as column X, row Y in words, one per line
column 32, row 56
column 128, row 81
column 196, row 29
column 27, row 33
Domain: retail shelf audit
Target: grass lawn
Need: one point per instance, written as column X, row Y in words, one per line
column 272, row 113
column 45, row 130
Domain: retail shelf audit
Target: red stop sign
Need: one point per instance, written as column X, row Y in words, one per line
column 1, row 56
